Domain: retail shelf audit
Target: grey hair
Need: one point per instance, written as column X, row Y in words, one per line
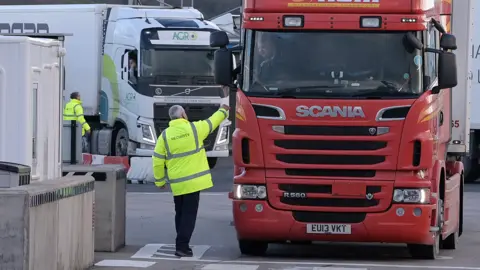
column 176, row 112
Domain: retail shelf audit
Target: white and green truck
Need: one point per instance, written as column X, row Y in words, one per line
column 130, row 64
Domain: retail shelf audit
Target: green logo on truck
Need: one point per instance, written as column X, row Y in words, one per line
column 185, row 36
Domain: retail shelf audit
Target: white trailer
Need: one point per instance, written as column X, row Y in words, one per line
column 466, row 95
column 125, row 105
column 30, row 104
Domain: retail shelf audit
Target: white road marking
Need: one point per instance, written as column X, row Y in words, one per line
column 224, row 266
column 169, row 193
column 166, row 252
column 322, row 268
column 125, row 263
column 322, row 265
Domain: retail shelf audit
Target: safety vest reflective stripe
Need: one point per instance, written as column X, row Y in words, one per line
column 183, row 179
column 167, row 148
column 72, row 115
column 74, row 112
column 171, row 156
column 224, row 113
column 210, row 126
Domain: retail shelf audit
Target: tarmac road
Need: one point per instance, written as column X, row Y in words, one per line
column 150, row 233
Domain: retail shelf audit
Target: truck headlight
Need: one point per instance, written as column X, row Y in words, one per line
column 222, row 135
column 411, row 195
column 241, row 192
column 147, row 133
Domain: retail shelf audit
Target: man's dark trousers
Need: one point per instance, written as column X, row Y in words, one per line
column 186, row 208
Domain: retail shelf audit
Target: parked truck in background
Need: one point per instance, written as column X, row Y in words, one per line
column 469, row 130
column 127, row 107
column 343, row 130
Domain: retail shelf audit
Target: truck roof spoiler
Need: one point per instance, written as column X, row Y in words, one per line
column 58, row 36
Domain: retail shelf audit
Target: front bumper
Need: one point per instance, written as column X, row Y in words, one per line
column 279, row 225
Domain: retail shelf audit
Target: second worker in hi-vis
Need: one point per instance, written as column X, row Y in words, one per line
column 180, row 150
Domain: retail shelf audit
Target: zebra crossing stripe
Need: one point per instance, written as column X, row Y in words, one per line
column 224, row 266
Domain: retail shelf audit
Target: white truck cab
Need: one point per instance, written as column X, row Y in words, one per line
column 130, row 64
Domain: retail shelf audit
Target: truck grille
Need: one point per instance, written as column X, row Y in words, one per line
column 195, row 112
column 330, row 159
column 331, row 145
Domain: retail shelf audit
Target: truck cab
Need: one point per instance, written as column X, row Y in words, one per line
column 342, row 124
column 164, row 58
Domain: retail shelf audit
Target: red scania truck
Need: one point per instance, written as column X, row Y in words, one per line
column 343, row 124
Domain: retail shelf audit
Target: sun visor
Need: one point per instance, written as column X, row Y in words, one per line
column 338, row 6
column 178, row 37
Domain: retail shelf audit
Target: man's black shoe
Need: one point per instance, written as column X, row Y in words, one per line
column 186, row 253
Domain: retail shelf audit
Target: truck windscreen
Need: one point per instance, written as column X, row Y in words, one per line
column 174, row 65
column 331, row 64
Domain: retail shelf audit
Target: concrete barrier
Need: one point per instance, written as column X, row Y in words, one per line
column 48, row 225
column 110, row 203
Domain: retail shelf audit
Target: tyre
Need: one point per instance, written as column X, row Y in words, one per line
column 451, row 242
column 253, row 248
column 429, row 252
column 212, row 161
column 120, row 144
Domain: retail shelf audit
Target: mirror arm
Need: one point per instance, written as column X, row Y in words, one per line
column 436, row 90
column 433, row 50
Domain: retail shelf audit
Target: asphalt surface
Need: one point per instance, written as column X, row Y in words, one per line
column 151, row 233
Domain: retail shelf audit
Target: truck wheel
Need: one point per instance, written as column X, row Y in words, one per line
column 253, row 248
column 121, row 142
column 212, row 161
column 429, row 252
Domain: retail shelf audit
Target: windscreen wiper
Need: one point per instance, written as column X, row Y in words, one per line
column 378, row 93
column 310, row 87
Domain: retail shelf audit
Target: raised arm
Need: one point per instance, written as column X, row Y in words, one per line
column 205, row 127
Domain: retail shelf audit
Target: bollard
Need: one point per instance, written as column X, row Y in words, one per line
column 110, row 203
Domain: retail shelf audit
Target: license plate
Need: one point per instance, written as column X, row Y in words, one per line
column 329, row 228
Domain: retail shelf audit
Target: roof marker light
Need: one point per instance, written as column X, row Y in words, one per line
column 292, row 21
column 370, row 22
column 256, row 18
column 409, row 20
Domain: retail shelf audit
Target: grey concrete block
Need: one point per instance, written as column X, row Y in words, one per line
column 110, row 203
column 47, row 225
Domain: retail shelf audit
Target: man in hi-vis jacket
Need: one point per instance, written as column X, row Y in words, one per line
column 180, row 151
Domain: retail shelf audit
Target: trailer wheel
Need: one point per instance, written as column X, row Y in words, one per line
column 429, row 252
column 121, row 142
column 253, row 248
column 212, row 161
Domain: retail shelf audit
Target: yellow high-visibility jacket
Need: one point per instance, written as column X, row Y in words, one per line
column 74, row 111
column 180, row 151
